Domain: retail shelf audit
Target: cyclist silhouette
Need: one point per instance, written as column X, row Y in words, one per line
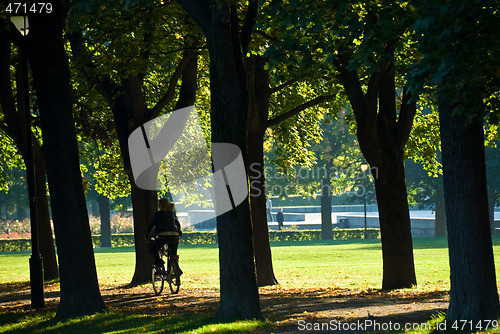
column 167, row 232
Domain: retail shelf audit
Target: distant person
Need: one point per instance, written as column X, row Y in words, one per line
column 280, row 218
column 269, row 208
column 167, row 231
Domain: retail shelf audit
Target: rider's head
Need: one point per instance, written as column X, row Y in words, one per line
column 165, row 205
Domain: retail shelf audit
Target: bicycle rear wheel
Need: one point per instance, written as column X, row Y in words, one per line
column 158, row 280
column 174, row 280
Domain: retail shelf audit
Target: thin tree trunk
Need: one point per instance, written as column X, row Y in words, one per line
column 326, row 207
column 473, row 293
column 395, row 230
column 257, row 78
column 47, row 248
column 94, row 208
column 263, row 258
column 440, row 220
column 20, row 212
column 105, row 221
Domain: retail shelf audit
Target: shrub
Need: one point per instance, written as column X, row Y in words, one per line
column 11, row 245
column 120, row 223
column 338, row 234
column 8, row 226
column 199, row 238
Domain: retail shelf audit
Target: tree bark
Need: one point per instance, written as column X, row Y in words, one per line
column 105, row 221
column 145, row 203
column 80, row 293
column 257, row 78
column 94, row 208
column 239, row 297
column 326, row 207
column 45, row 238
column 382, row 133
column 263, row 257
column 473, row 293
column 395, row 229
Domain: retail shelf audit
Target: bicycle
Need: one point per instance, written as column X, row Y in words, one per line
column 172, row 274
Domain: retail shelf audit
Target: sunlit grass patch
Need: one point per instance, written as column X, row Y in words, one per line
column 334, row 264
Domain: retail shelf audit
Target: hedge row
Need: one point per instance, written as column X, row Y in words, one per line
column 198, row 238
column 10, row 245
column 338, row 234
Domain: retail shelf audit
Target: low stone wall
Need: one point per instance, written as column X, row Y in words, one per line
column 420, row 227
column 335, row 208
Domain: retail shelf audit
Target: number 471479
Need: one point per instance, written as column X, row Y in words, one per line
column 25, row 8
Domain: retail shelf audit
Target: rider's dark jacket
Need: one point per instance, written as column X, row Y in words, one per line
column 165, row 223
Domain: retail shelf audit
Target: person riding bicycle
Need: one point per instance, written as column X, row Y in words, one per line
column 167, row 231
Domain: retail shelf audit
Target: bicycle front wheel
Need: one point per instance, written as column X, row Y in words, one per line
column 158, row 281
column 174, row 276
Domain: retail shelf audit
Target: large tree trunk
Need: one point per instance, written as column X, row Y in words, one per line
column 473, row 293
column 105, row 221
column 440, row 212
column 326, row 207
column 263, row 258
column 383, row 132
column 144, row 202
column 16, row 123
column 239, row 296
column 395, row 230
column 80, row 293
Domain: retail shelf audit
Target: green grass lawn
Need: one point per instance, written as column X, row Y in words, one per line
column 347, row 264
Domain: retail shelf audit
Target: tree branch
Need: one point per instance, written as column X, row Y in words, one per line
column 265, row 35
column 298, row 109
column 104, row 86
column 170, row 93
column 288, row 83
column 352, row 86
column 14, row 120
column 247, row 29
column 406, row 116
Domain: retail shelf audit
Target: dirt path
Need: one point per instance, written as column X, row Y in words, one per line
column 290, row 309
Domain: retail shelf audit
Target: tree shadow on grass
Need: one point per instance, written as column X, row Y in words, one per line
column 116, row 322
column 102, row 323
column 344, row 306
